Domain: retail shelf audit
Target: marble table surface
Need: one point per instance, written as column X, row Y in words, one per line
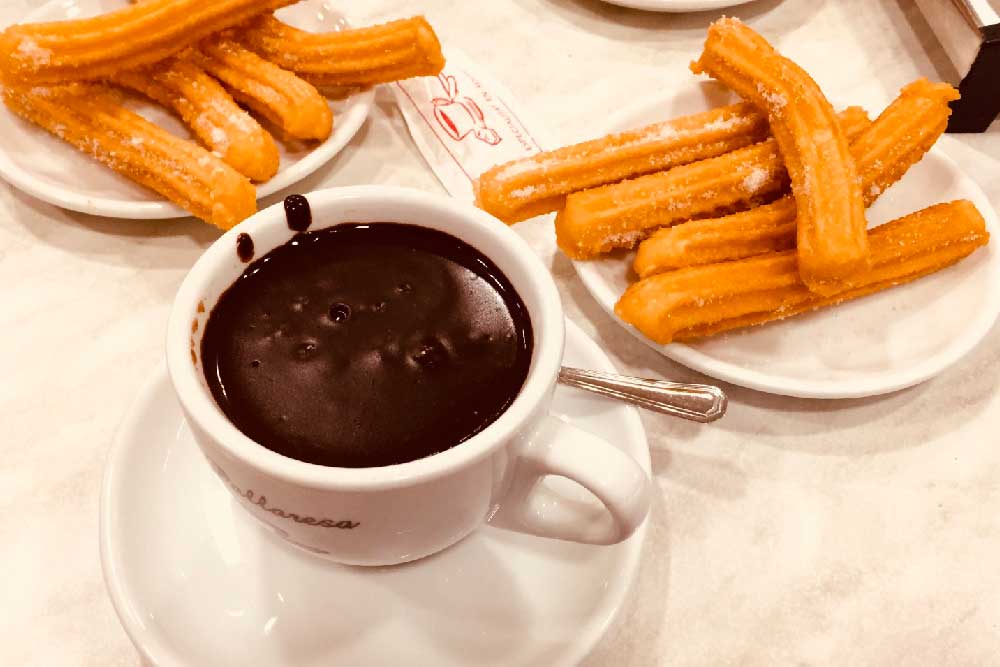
column 791, row 532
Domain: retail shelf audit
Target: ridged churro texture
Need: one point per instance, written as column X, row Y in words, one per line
column 705, row 300
column 540, row 183
column 853, row 121
column 353, row 57
column 620, row 215
column 136, row 35
column 898, row 139
column 285, row 100
column 759, row 230
column 211, row 113
column 91, row 118
column 902, row 135
column 832, row 243
column 603, row 219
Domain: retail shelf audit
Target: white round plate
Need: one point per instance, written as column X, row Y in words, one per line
column 677, row 5
column 875, row 345
column 45, row 167
column 195, row 581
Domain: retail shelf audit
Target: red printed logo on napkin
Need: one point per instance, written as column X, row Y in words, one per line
column 463, row 122
column 461, row 116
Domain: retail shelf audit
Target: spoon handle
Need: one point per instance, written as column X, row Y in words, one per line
column 696, row 402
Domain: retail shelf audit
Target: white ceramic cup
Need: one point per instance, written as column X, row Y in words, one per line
column 394, row 514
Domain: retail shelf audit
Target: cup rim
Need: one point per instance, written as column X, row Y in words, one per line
column 200, row 407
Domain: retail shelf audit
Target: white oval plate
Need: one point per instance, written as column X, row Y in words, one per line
column 875, row 345
column 196, row 581
column 45, row 167
column 677, row 5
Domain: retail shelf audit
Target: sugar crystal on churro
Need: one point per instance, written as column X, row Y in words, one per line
column 832, row 244
column 705, row 300
column 540, row 183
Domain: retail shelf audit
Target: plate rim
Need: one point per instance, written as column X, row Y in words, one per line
column 346, row 126
column 677, row 6
column 692, row 358
column 147, row 642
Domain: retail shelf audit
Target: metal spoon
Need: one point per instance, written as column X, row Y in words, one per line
column 696, row 402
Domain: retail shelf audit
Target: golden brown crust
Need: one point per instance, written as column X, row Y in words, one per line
column 211, row 113
column 540, row 183
column 284, row 99
column 91, row 118
column 704, row 300
column 832, row 244
column 760, row 230
column 352, row 57
column 620, row 215
column 597, row 221
column 883, row 152
column 136, row 35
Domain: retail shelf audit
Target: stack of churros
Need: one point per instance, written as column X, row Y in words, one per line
column 229, row 69
column 749, row 213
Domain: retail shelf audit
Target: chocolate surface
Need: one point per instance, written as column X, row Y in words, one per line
column 367, row 345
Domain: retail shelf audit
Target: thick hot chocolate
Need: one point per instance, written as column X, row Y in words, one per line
column 367, row 345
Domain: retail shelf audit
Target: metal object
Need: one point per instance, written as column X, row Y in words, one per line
column 696, row 402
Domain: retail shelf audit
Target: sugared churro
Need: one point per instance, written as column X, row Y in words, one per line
column 285, row 100
column 136, row 35
column 91, row 118
column 853, row 121
column 539, row 184
column 902, row 135
column 352, row 57
column 620, row 215
column 756, row 231
column 211, row 113
column 832, row 244
column 898, row 139
column 705, row 300
column 597, row 221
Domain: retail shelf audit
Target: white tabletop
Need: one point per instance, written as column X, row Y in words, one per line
column 793, row 531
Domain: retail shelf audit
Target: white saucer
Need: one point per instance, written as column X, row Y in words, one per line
column 45, row 167
column 875, row 345
column 196, row 581
column 677, row 5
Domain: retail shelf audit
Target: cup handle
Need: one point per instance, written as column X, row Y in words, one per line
column 559, row 448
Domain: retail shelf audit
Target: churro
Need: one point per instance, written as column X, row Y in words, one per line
column 136, row 35
column 853, row 121
column 593, row 222
column 285, row 100
column 756, row 231
column 538, row 184
column 91, row 118
column 597, row 221
column 898, row 139
column 832, row 245
column 352, row 57
column 704, row 300
column 902, row 135
column 211, row 113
